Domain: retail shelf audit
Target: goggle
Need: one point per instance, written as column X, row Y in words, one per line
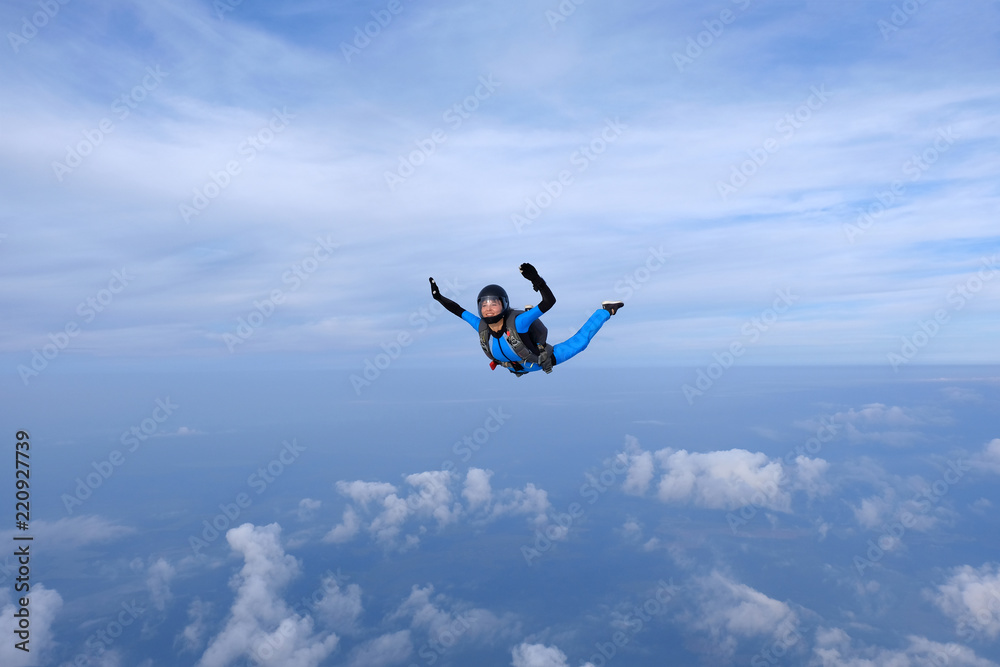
column 490, row 301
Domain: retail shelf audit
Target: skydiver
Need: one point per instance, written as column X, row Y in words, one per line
column 515, row 339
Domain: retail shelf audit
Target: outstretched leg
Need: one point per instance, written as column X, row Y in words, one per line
column 578, row 342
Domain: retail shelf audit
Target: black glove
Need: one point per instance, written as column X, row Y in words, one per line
column 529, row 272
column 435, row 292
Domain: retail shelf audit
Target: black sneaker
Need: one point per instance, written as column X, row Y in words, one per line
column 612, row 306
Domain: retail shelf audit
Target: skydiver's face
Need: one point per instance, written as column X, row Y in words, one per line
column 490, row 307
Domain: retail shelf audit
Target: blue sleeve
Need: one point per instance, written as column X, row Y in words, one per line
column 471, row 319
column 525, row 319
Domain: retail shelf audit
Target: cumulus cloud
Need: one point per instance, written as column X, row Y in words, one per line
column 729, row 608
column 540, row 655
column 640, row 468
column 192, row 637
column 971, row 598
column 911, row 503
column 44, row 605
column 530, row 501
column 537, row 655
column 260, row 623
column 383, row 510
column 889, row 425
column 308, row 507
column 722, row 479
column 447, row 623
column 348, row 527
column 989, row 458
column 834, row 648
column 726, row 479
column 158, row 582
column 339, row 608
column 477, row 491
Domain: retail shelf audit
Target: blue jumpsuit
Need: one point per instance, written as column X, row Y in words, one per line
column 564, row 351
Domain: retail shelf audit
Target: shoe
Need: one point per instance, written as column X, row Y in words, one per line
column 612, row 306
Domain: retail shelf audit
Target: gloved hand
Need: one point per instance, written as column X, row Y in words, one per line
column 529, row 272
column 435, row 292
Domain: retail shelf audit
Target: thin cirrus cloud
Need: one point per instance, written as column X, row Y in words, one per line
column 863, row 114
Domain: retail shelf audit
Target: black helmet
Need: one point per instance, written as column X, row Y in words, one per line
column 497, row 292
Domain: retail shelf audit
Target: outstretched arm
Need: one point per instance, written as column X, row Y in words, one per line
column 537, row 284
column 452, row 307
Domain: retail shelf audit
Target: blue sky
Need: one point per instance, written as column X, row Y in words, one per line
column 310, row 129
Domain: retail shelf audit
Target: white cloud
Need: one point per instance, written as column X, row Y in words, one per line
column 339, row 608
column 727, row 607
column 260, row 623
column 530, row 501
column 722, row 479
column 971, row 598
column 725, row 479
column 446, row 622
column 308, row 507
column 891, row 512
column 365, row 492
column 640, row 468
column 386, row 650
column 158, row 582
column 477, row 489
column 834, row 648
column 192, row 637
column 75, row 532
column 537, row 655
column 44, row 604
column 433, row 496
column 346, row 529
column 989, row 458
column 889, row 425
column 384, row 511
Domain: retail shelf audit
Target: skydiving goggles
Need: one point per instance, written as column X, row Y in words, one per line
column 490, row 301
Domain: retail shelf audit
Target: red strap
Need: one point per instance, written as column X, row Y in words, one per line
column 493, row 365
